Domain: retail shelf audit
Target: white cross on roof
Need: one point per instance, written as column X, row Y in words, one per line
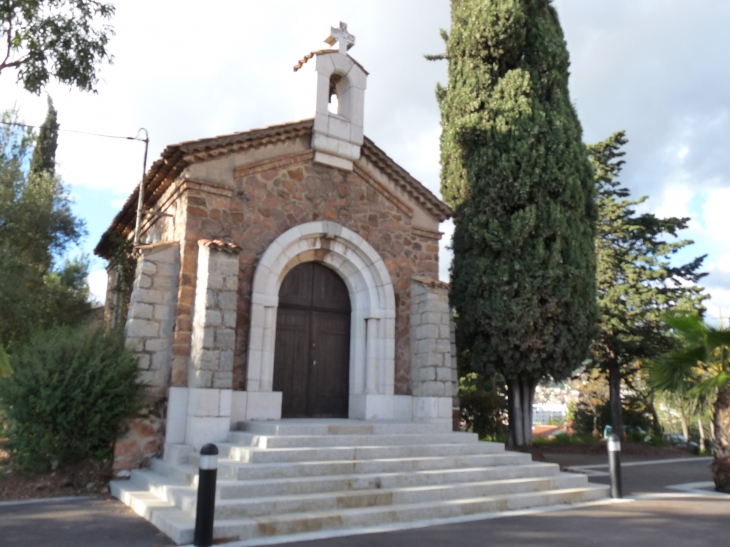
column 342, row 37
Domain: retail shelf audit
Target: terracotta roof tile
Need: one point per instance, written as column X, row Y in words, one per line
column 308, row 56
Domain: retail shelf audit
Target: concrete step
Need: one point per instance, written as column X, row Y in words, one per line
column 180, row 528
column 232, row 489
column 162, row 486
column 342, row 427
column 230, row 469
column 256, row 440
column 180, row 473
column 294, row 477
column 349, row 453
column 175, row 491
column 333, row 501
column 352, row 518
column 233, row 470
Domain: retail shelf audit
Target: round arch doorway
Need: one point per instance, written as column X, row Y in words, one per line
column 312, row 351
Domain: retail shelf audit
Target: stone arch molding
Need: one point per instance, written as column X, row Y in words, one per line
column 372, row 334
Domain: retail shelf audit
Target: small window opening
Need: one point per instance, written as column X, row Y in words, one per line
column 334, row 103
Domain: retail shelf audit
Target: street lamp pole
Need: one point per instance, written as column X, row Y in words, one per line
column 140, row 198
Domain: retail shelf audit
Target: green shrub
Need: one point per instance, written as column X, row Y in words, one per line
column 483, row 405
column 68, row 396
column 657, row 440
column 635, row 415
column 565, row 438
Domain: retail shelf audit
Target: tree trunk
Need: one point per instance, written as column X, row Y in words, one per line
column 721, row 441
column 520, row 395
column 614, row 383
column 702, row 433
column 656, row 426
column 683, row 419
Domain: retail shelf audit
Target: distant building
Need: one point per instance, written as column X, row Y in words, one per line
column 544, row 413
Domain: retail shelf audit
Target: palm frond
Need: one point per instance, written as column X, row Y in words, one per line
column 718, row 338
column 676, row 371
column 710, row 385
column 691, row 328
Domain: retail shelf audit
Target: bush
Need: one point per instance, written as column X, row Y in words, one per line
column 564, row 438
column 483, row 405
column 635, row 417
column 68, row 396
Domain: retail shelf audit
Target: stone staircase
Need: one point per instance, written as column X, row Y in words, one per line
column 299, row 476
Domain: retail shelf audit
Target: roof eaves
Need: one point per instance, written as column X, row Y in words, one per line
column 175, row 158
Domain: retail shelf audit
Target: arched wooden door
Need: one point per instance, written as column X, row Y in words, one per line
column 312, row 353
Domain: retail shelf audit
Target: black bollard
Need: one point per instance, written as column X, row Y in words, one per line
column 614, row 465
column 205, row 511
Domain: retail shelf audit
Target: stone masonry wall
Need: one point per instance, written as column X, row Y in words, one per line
column 214, row 319
column 270, row 197
column 277, row 196
column 151, row 312
column 149, row 333
column 433, row 365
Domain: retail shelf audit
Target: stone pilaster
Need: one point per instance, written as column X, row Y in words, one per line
column 433, row 368
column 210, row 370
column 214, row 316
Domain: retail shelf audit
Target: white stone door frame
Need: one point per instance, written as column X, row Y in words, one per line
column 372, row 332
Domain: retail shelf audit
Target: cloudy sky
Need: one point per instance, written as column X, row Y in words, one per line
column 657, row 68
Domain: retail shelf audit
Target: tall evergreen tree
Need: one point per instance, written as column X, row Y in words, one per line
column 638, row 282
column 36, row 227
column 44, row 154
column 515, row 169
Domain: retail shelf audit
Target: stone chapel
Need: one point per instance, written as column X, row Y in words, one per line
column 286, row 307
column 285, row 272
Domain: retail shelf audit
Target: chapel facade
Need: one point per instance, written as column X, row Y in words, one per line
column 285, row 272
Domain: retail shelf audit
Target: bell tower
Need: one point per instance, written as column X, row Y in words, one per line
column 338, row 135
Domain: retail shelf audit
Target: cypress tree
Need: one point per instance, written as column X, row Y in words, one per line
column 37, row 227
column 515, row 170
column 638, row 281
column 44, row 154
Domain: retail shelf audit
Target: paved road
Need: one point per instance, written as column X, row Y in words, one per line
column 661, row 518
column 84, row 522
column 638, row 476
column 661, row 523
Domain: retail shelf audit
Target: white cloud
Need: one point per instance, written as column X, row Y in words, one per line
column 682, row 153
column 718, row 305
column 97, row 285
column 716, row 216
column 723, row 263
column 674, row 201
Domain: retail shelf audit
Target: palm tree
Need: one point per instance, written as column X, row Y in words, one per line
column 701, row 368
